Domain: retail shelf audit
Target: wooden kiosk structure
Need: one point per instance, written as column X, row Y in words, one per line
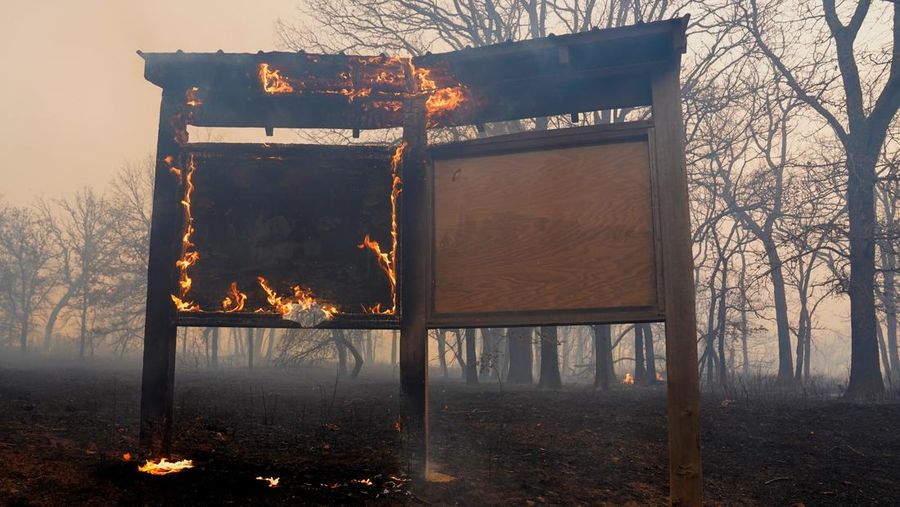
column 577, row 225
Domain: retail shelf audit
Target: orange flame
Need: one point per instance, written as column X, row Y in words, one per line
column 234, row 301
column 302, row 298
column 444, row 99
column 659, row 377
column 273, row 481
column 189, row 255
column 629, row 379
column 272, row 80
column 388, row 260
column 164, row 467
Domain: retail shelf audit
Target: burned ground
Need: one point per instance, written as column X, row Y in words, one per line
column 64, row 430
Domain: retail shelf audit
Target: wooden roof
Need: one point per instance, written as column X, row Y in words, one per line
column 587, row 71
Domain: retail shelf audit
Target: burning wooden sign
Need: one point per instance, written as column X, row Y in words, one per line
column 288, row 230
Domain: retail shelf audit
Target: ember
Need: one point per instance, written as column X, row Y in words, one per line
column 273, row 481
column 165, row 467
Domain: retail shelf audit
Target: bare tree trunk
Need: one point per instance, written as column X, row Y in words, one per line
column 460, row 358
column 343, row 344
column 214, row 345
column 54, row 316
column 882, row 347
column 640, row 370
column 604, row 373
column 487, row 352
column 442, row 351
column 471, row 371
column 520, row 356
column 550, row 377
column 250, row 348
column 649, row 355
column 337, row 335
column 865, row 375
column 394, row 343
column 889, row 291
column 83, row 324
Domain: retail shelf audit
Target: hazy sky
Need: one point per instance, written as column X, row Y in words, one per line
column 74, row 103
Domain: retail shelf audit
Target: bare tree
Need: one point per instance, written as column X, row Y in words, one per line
column 858, row 102
column 83, row 230
column 25, row 252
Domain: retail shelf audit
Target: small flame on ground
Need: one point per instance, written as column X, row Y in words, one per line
column 659, row 377
column 273, row 481
column 165, row 467
column 629, row 379
column 126, row 456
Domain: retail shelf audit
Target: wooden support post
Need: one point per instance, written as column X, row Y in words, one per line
column 685, row 472
column 415, row 277
column 158, row 377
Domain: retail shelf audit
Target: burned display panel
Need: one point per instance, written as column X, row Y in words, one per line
column 537, row 228
column 304, row 232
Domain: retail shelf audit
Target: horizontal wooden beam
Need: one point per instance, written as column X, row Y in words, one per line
column 263, row 320
column 600, row 69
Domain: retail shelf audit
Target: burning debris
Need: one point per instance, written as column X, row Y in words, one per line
column 165, row 467
column 628, row 380
column 273, row 481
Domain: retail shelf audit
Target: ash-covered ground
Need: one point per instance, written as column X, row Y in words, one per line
column 64, row 430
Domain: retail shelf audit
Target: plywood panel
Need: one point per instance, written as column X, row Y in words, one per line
column 562, row 229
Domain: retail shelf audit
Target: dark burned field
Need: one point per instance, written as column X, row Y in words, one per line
column 63, row 432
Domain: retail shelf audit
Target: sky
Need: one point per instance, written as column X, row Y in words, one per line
column 73, row 101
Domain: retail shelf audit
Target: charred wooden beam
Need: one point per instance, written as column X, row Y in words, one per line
column 578, row 72
column 415, row 249
column 158, row 374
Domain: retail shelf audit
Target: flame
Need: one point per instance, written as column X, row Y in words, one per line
column 444, row 99
column 192, row 100
column 234, row 301
column 388, row 260
column 280, row 304
column 629, row 379
column 164, row 467
column 302, row 298
column 386, row 86
column 273, row 481
column 659, row 377
column 126, row 456
column 189, row 255
column 272, row 80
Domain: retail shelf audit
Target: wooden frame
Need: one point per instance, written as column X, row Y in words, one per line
column 539, row 141
column 290, row 163
column 589, row 71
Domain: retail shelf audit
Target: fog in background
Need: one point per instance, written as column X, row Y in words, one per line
column 75, row 104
